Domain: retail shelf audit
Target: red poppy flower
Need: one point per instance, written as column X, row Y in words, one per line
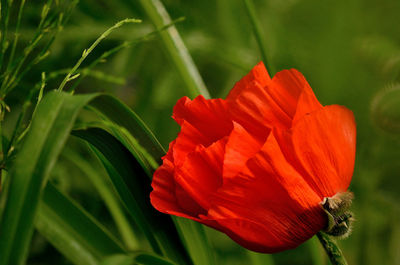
column 258, row 164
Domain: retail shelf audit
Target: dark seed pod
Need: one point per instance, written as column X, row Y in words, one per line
column 340, row 219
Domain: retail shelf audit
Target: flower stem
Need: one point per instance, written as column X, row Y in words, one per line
column 334, row 253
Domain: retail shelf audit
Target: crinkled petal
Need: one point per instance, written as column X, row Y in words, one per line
column 201, row 173
column 324, row 143
column 163, row 196
column 210, row 117
column 268, row 207
column 307, row 102
column 292, row 94
column 188, row 138
column 241, row 146
column 258, row 74
column 252, row 109
column 261, row 104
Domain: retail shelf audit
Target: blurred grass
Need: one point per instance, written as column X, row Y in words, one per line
column 347, row 50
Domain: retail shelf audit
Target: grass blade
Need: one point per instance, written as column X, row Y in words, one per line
column 260, row 258
column 195, row 240
column 175, row 47
column 258, row 33
column 137, row 258
column 49, row 130
column 106, row 193
column 133, row 187
column 77, row 235
column 118, row 113
column 192, row 233
column 71, row 75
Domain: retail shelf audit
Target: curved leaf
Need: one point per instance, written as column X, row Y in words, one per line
column 49, row 130
column 77, row 235
column 137, row 258
column 133, row 187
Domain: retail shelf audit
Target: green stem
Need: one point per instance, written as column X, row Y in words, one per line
column 334, row 253
column 4, row 15
column 175, row 47
column 16, row 34
column 258, row 33
column 125, row 44
column 71, row 75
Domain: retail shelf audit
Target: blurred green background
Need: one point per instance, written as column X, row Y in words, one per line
column 349, row 51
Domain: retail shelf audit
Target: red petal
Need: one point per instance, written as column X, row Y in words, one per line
column 210, row 117
column 167, row 196
column 252, row 109
column 188, row 138
column 324, row 143
column 292, row 94
column 307, row 102
column 201, row 173
column 248, row 102
column 258, row 74
column 240, row 147
column 269, row 207
column 261, row 104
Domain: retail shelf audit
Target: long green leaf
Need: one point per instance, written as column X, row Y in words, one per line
column 133, row 186
column 192, row 233
column 195, row 240
column 49, row 130
column 136, row 258
column 36, row 157
column 260, row 258
column 98, row 179
column 118, row 113
column 175, row 47
column 77, row 235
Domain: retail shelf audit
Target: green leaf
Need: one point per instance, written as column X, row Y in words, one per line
column 175, row 47
column 260, row 258
column 119, row 114
column 49, row 130
column 128, row 128
column 77, row 235
column 137, row 258
column 147, row 259
column 103, row 187
column 133, row 186
column 195, row 240
column 50, row 127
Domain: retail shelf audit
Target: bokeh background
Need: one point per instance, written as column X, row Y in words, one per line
column 349, row 51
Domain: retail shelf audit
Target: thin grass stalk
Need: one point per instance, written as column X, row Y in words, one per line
column 5, row 15
column 45, row 26
column 16, row 34
column 175, row 47
column 114, row 50
column 331, row 248
column 258, row 33
column 9, row 77
column 71, row 75
column 16, row 136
